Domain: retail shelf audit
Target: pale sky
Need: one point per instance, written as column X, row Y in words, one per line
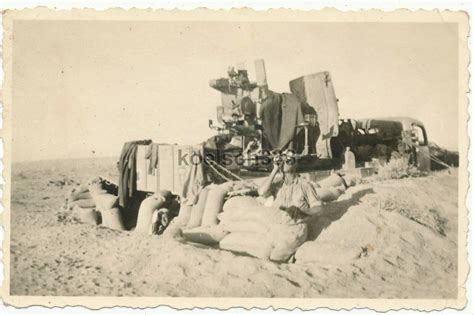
column 82, row 89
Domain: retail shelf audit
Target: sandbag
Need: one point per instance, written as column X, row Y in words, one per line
column 266, row 201
column 86, row 215
column 78, row 190
column 328, row 194
column 73, row 196
column 243, row 184
column 239, row 202
column 228, row 186
column 112, row 218
column 263, row 215
column 214, row 204
column 257, row 182
column 82, row 203
column 97, row 191
column 105, row 201
column 332, row 181
column 205, row 235
column 184, row 213
column 244, row 226
column 279, row 231
column 145, row 212
column 198, row 210
column 253, row 244
column 95, row 185
column 286, row 240
column 174, row 230
column 166, row 194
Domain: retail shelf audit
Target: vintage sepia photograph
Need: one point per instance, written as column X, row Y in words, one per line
column 239, row 158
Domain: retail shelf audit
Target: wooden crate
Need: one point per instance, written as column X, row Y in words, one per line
column 141, row 164
column 170, row 172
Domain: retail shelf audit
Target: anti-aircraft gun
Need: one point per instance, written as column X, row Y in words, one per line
column 256, row 123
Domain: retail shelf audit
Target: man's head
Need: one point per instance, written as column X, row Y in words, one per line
column 288, row 162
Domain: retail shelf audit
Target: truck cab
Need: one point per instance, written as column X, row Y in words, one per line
column 379, row 137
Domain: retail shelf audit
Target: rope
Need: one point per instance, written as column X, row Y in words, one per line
column 217, row 172
column 438, row 160
column 223, row 169
column 227, row 171
column 435, row 159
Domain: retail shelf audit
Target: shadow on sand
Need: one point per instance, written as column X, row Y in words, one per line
column 332, row 212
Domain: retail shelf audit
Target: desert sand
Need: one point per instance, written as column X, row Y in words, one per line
column 390, row 239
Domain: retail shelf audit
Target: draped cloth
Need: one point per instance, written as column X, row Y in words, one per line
column 195, row 179
column 290, row 118
column 280, row 114
column 127, row 168
column 152, row 155
column 270, row 113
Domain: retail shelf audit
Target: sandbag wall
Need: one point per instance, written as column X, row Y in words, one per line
column 92, row 204
column 80, row 201
column 260, row 231
column 240, row 224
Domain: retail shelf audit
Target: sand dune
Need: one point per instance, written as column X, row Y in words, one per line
column 395, row 239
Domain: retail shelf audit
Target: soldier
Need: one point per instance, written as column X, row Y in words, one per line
column 297, row 196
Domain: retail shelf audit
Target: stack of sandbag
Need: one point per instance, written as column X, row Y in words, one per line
column 80, row 201
column 193, row 213
column 156, row 212
column 260, row 231
column 107, row 205
column 208, row 205
column 207, row 235
column 80, row 197
column 197, row 223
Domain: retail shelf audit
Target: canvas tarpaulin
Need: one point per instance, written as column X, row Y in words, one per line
column 280, row 114
column 317, row 90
